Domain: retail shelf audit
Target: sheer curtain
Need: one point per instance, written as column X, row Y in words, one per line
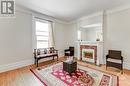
column 51, row 35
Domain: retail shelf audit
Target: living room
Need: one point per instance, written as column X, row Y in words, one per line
column 97, row 33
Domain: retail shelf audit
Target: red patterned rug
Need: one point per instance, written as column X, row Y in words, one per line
column 55, row 76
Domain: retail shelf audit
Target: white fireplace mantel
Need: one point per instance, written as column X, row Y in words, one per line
column 99, row 50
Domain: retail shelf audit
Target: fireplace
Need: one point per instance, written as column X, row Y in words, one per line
column 88, row 53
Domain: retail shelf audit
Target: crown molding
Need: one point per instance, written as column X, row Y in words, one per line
column 118, row 9
column 100, row 13
column 34, row 13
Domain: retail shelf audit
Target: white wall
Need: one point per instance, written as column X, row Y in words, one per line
column 117, row 34
column 90, row 34
column 16, row 40
column 71, row 36
column 60, row 37
column 91, row 19
column 73, row 27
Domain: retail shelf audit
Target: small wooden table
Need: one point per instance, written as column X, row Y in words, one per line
column 70, row 66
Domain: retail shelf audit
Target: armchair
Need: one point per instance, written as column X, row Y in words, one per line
column 114, row 59
column 69, row 52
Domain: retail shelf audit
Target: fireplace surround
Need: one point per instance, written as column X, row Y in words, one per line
column 90, row 52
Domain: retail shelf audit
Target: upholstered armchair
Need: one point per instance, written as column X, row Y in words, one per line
column 114, row 59
column 69, row 52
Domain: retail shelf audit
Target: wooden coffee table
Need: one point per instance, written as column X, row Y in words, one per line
column 70, row 66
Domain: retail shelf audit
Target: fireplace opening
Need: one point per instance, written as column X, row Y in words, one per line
column 88, row 54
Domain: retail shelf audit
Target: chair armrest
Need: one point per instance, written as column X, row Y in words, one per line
column 35, row 53
column 56, row 51
column 107, row 56
column 121, row 58
column 66, row 50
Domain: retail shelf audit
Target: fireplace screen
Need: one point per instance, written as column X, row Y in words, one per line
column 88, row 53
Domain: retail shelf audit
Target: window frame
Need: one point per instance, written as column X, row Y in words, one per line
column 36, row 40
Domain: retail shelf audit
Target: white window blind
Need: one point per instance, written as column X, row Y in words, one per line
column 42, row 34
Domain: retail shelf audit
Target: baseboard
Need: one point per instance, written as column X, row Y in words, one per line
column 126, row 65
column 12, row 66
column 15, row 65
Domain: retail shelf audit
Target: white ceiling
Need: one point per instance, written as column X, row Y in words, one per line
column 69, row 10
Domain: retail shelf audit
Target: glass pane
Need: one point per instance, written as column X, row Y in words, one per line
column 41, row 26
column 42, row 44
column 42, row 38
column 42, row 33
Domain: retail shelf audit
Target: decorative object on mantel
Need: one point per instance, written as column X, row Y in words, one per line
column 84, row 76
column 97, row 39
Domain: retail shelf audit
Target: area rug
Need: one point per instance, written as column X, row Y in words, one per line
column 84, row 76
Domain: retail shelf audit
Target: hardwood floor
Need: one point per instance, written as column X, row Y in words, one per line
column 124, row 79
column 23, row 76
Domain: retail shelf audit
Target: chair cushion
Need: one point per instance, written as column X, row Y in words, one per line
column 45, row 55
column 114, row 60
column 68, row 52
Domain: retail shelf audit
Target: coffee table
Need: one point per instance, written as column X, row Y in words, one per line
column 70, row 66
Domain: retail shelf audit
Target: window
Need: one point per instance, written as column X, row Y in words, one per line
column 42, row 34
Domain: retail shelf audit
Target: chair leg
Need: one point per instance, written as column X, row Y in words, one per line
column 57, row 57
column 37, row 62
column 121, row 71
column 53, row 57
column 106, row 67
column 73, row 57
